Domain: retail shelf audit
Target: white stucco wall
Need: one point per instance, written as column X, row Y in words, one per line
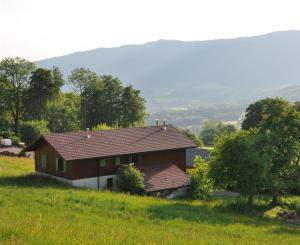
column 85, row 183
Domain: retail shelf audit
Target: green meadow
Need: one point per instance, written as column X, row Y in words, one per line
column 35, row 210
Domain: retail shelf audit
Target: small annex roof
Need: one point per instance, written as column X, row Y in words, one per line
column 159, row 177
column 103, row 143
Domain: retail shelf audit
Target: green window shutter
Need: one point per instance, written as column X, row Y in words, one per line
column 102, row 163
column 117, row 161
column 56, row 164
column 140, row 158
column 43, row 160
column 65, row 166
column 130, row 158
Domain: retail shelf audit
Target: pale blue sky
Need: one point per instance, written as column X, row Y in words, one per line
column 37, row 29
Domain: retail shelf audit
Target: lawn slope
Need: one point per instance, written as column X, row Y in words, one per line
column 39, row 211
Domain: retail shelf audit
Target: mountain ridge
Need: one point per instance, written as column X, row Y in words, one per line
column 172, row 73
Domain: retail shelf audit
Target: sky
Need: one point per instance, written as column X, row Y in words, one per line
column 37, row 29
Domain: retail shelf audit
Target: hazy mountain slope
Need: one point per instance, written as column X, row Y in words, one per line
column 191, row 74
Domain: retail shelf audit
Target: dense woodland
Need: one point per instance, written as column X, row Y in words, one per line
column 32, row 101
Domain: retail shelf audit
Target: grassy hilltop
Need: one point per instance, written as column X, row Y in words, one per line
column 39, row 211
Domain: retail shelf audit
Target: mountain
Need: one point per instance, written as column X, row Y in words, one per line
column 192, row 74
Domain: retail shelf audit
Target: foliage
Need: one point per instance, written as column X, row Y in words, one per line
column 212, row 129
column 132, row 108
column 28, row 93
column 44, row 212
column 282, row 122
column 105, row 102
column 30, row 130
column 254, row 113
column 193, row 136
column 15, row 140
column 201, row 184
column 14, row 79
column 81, row 79
column 42, row 89
column 65, row 115
column 102, row 126
column 242, row 160
column 130, row 179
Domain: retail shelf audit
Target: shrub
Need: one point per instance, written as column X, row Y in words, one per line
column 130, row 179
column 101, row 126
column 201, row 185
column 30, row 130
column 15, row 140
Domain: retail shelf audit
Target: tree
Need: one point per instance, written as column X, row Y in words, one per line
column 42, row 89
column 80, row 79
column 132, row 108
column 58, row 82
column 242, row 160
column 102, row 126
column 30, row 130
column 281, row 121
column 65, row 114
column 14, row 79
column 254, row 113
column 201, row 184
column 193, row 136
column 212, row 129
column 130, row 179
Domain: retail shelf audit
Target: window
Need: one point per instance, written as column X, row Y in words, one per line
column 43, row 161
column 61, row 165
column 117, row 161
column 103, row 163
column 110, row 183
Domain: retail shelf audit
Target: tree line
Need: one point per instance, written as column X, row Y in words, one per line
column 32, row 97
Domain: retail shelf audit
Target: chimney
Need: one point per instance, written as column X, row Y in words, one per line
column 88, row 135
column 156, row 122
column 164, row 127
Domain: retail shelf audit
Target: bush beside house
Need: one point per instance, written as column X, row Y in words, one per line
column 130, row 179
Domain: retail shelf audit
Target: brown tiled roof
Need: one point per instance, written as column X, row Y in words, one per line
column 163, row 177
column 76, row 145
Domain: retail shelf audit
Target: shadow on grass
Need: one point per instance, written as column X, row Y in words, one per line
column 225, row 213
column 30, row 180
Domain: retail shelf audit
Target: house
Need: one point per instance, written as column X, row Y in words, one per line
column 91, row 158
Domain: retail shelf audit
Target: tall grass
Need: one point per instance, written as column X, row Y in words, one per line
column 40, row 211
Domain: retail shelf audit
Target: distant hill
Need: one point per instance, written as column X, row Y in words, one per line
column 200, row 73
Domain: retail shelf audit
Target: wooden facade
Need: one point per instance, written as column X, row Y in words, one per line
column 89, row 168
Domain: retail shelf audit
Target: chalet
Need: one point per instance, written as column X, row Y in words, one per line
column 91, row 158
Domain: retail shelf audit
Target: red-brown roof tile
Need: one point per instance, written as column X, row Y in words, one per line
column 76, row 145
column 160, row 177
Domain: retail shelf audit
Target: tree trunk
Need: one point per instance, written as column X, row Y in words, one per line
column 250, row 200
column 276, row 200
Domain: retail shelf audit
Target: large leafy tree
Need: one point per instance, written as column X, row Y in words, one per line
column 282, row 121
column 30, row 130
column 81, row 79
column 132, row 107
column 14, row 79
column 254, row 113
column 242, row 160
column 66, row 112
column 43, row 87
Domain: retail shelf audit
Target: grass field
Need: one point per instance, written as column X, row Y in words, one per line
column 39, row 211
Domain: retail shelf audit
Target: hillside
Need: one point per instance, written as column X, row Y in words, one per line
column 39, row 211
column 199, row 73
